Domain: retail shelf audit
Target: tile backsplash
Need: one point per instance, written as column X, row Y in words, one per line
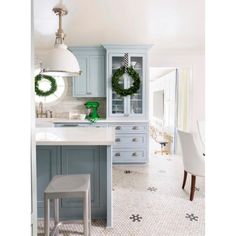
column 68, row 103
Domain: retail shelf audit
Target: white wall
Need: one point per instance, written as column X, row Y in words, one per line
column 165, row 83
column 194, row 60
column 158, row 100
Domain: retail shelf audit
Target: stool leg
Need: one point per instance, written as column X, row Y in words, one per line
column 46, row 215
column 56, row 214
column 85, row 213
column 89, row 212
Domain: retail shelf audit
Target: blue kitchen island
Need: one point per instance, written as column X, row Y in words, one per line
column 77, row 150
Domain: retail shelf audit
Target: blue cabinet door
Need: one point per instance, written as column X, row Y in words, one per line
column 80, row 84
column 64, row 160
column 85, row 160
column 46, row 169
column 92, row 81
column 97, row 76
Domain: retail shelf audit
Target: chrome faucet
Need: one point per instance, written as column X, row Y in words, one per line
column 41, row 108
column 40, row 113
column 48, row 114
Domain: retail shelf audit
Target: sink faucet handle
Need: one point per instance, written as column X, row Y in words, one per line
column 48, row 113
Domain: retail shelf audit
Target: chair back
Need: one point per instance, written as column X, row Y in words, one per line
column 194, row 163
column 201, row 131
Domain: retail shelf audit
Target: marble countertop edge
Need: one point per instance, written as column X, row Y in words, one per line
column 75, row 136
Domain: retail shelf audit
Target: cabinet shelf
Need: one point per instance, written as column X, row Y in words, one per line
column 117, row 100
column 136, row 68
column 136, row 100
column 117, row 108
column 113, row 92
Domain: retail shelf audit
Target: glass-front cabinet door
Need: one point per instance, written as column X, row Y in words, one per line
column 131, row 105
column 118, row 102
column 136, row 100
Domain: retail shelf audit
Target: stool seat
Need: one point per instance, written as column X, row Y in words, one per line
column 163, row 142
column 67, row 186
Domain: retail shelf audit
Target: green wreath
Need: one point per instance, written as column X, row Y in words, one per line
column 53, row 85
column 133, row 74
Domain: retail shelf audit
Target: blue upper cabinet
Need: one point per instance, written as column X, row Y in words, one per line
column 92, row 63
column 133, row 106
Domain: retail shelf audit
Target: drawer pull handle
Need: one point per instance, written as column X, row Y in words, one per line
column 89, row 93
column 117, row 154
column 134, row 154
column 117, row 139
column 126, row 115
column 118, row 128
column 135, row 140
column 135, row 127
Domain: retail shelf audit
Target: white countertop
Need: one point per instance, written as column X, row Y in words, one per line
column 59, row 120
column 75, row 136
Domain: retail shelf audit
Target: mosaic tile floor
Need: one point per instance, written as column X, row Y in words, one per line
column 149, row 200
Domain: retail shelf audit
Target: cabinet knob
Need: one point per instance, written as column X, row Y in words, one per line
column 134, row 154
column 117, row 139
column 134, row 139
column 117, row 154
column 118, row 128
column 135, row 127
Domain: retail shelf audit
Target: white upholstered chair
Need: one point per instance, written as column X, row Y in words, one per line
column 194, row 163
column 201, row 133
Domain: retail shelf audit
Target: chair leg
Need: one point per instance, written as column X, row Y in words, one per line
column 185, row 178
column 193, row 182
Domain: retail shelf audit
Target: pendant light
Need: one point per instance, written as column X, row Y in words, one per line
column 60, row 61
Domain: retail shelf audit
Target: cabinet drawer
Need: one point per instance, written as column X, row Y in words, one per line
column 120, row 156
column 130, row 140
column 131, row 128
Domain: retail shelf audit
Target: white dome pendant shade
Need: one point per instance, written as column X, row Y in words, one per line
column 60, row 61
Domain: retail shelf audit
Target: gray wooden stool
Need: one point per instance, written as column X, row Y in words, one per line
column 67, row 186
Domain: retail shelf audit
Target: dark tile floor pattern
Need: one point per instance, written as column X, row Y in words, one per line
column 135, row 218
column 152, row 189
column 191, row 217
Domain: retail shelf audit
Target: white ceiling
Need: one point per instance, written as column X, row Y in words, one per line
column 168, row 24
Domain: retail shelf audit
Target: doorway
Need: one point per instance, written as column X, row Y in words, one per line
column 163, row 109
column 169, row 107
